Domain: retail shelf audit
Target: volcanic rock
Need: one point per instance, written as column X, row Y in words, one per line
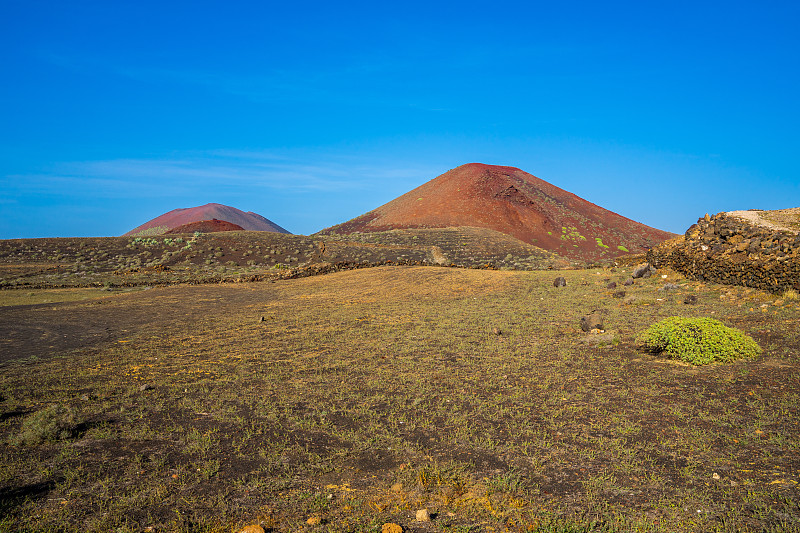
column 560, row 281
column 755, row 248
column 597, row 338
column 593, row 320
column 643, row 271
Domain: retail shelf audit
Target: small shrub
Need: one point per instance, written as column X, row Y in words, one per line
column 511, row 482
column 790, row 294
column 51, row 423
column 698, row 341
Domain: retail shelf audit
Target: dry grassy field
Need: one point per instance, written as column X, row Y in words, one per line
column 346, row 401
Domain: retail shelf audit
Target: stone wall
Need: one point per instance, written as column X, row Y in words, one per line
column 731, row 250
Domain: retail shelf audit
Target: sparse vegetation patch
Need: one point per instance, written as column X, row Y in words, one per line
column 343, row 402
column 52, row 423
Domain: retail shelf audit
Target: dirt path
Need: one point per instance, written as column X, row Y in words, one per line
column 779, row 219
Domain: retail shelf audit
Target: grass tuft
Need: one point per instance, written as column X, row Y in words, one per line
column 55, row 422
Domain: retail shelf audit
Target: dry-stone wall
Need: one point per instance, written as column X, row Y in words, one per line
column 731, row 250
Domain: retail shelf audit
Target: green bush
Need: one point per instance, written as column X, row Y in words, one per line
column 698, row 341
column 51, row 423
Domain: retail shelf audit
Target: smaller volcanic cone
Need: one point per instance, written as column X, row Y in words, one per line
column 179, row 217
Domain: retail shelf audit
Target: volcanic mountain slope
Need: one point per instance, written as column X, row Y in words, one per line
column 513, row 202
column 179, row 217
column 205, row 226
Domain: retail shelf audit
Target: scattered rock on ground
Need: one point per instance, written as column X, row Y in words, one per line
column 496, row 331
column 690, row 299
column 612, row 285
column 390, row 527
column 619, row 294
column 643, row 271
column 252, row 529
column 629, row 300
column 670, row 287
column 423, row 515
column 146, row 386
column 560, row 281
column 593, row 320
column 628, row 282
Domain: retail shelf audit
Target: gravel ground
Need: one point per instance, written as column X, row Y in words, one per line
column 780, row 219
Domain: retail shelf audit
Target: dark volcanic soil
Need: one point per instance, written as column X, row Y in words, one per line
column 48, row 329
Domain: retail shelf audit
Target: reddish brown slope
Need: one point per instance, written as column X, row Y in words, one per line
column 205, row 226
column 513, row 202
column 179, row 217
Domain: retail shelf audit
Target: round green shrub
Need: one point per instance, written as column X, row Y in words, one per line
column 698, row 341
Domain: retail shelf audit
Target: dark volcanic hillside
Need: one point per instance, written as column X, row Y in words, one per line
column 179, row 217
column 516, row 203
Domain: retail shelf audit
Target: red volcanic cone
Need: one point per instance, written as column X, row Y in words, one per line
column 516, row 203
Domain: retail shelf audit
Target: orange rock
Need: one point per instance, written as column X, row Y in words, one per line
column 252, row 529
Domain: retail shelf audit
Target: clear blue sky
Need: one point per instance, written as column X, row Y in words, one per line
column 312, row 113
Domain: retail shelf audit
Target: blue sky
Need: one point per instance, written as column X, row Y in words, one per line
column 313, row 113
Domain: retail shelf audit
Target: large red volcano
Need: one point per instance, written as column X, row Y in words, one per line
column 179, row 217
column 516, row 203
